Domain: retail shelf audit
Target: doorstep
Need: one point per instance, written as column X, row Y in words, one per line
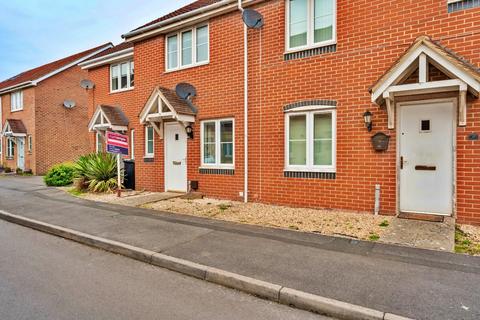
column 422, row 234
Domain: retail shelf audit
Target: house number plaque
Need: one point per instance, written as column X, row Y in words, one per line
column 380, row 141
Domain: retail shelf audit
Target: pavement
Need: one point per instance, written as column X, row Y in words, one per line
column 46, row 277
column 422, row 234
column 415, row 283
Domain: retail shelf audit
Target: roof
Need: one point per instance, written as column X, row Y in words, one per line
column 185, row 9
column 446, row 53
column 181, row 106
column 16, row 126
column 119, row 47
column 44, row 70
column 115, row 115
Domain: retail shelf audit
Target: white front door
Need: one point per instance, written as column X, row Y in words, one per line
column 426, row 158
column 21, row 153
column 175, row 157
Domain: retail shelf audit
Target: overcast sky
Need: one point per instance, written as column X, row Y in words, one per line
column 35, row 32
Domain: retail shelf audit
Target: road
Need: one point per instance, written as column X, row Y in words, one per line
column 45, row 277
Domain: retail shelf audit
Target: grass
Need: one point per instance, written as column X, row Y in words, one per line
column 384, row 223
column 75, row 192
column 374, row 237
column 223, row 206
column 464, row 245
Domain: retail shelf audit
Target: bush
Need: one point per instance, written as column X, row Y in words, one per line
column 19, row 171
column 7, row 169
column 99, row 171
column 60, row 175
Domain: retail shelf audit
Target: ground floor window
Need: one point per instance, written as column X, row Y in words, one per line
column 10, row 148
column 149, row 145
column 99, row 142
column 217, row 139
column 132, row 144
column 310, row 141
column 30, row 144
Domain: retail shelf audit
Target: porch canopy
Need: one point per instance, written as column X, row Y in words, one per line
column 164, row 105
column 14, row 128
column 108, row 118
column 427, row 70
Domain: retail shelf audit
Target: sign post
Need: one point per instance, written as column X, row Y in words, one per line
column 117, row 144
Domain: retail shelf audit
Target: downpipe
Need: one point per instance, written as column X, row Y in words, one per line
column 245, row 105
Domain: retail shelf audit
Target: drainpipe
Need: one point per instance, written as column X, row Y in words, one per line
column 245, row 106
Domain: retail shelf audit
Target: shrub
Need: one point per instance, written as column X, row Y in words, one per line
column 19, row 171
column 7, row 169
column 60, row 175
column 99, row 171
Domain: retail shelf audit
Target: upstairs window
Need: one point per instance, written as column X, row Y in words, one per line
column 16, row 101
column 122, row 76
column 187, row 48
column 310, row 23
column 218, row 143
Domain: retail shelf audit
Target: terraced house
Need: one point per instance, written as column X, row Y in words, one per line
column 357, row 105
column 43, row 113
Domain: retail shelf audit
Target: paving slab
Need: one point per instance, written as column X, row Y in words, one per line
column 138, row 200
column 422, row 234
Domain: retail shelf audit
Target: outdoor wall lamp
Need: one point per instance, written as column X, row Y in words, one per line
column 367, row 117
column 189, row 131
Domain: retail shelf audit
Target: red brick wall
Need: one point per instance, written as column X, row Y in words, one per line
column 27, row 115
column 60, row 134
column 371, row 35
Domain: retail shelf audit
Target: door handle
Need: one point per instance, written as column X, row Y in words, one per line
column 401, row 162
column 177, row 163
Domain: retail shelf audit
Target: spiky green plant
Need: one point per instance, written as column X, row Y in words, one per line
column 99, row 170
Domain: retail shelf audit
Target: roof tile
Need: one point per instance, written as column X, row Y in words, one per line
column 43, row 70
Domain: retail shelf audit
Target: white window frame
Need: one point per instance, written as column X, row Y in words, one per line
column 13, row 106
column 310, row 116
column 149, row 154
column 194, row 48
column 119, row 64
column 29, row 143
column 98, row 136
column 310, row 28
column 132, row 144
column 10, row 148
column 218, row 147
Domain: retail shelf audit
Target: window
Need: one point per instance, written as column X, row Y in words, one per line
column 149, row 145
column 310, row 141
column 310, row 23
column 16, row 101
column 187, row 48
column 122, row 76
column 99, row 142
column 218, row 143
column 132, row 144
column 10, row 148
column 30, row 144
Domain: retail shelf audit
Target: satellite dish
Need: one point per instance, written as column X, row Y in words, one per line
column 253, row 19
column 185, row 90
column 87, row 84
column 69, row 104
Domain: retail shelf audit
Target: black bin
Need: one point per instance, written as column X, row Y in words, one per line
column 129, row 180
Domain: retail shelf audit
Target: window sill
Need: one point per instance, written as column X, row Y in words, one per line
column 8, row 158
column 187, row 67
column 122, row 90
column 17, row 110
column 306, row 52
column 217, row 171
column 148, row 159
column 304, row 174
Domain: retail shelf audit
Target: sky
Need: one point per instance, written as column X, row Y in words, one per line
column 35, row 32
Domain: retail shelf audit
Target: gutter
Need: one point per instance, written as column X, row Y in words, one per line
column 177, row 18
column 119, row 55
column 19, row 86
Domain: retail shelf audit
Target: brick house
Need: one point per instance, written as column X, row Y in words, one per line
column 351, row 105
column 37, row 129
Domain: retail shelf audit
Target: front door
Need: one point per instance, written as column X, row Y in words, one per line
column 21, row 153
column 175, row 157
column 426, row 158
